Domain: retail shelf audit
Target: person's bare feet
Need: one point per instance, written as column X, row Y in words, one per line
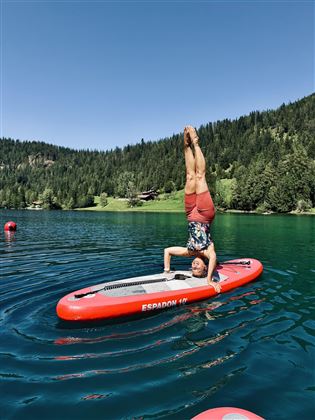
column 187, row 141
column 193, row 135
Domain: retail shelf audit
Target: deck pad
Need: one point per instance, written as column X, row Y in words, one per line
column 163, row 286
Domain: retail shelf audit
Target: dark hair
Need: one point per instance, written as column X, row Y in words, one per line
column 204, row 259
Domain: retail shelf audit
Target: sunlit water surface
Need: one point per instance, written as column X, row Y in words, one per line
column 251, row 348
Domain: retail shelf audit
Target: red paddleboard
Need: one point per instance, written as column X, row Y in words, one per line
column 154, row 292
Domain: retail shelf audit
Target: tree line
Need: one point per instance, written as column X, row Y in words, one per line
column 263, row 161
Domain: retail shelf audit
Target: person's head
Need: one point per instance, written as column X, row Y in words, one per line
column 199, row 267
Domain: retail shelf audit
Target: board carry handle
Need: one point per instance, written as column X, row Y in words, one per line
column 243, row 262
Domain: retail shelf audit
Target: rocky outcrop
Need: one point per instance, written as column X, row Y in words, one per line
column 39, row 160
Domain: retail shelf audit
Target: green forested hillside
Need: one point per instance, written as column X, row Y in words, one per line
column 264, row 160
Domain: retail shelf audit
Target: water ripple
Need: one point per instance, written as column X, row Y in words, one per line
column 170, row 364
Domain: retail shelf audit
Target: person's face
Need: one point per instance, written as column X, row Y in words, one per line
column 198, row 267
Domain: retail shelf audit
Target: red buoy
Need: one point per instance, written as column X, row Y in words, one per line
column 227, row 413
column 10, row 226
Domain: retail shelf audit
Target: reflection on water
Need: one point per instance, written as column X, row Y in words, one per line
column 9, row 236
column 238, row 349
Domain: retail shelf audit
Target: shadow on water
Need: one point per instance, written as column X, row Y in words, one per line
column 77, row 325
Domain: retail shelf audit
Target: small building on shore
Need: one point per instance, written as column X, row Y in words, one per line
column 148, row 195
column 37, row 204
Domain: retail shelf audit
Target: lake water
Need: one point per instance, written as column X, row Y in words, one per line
column 251, row 348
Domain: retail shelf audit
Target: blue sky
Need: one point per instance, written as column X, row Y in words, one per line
column 101, row 74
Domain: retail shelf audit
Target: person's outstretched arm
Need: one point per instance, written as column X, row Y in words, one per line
column 212, row 256
column 178, row 251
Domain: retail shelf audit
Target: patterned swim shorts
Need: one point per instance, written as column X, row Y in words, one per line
column 199, row 236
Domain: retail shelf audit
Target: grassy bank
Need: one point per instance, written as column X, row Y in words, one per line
column 173, row 202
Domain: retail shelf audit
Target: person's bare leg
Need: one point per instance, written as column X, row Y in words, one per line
column 190, row 163
column 201, row 183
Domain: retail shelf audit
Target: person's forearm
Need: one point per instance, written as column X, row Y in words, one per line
column 167, row 260
column 211, row 268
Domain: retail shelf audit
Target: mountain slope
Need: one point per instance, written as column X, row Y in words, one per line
column 265, row 159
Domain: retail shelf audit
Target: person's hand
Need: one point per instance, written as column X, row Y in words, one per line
column 169, row 275
column 216, row 286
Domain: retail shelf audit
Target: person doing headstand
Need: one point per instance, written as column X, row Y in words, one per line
column 200, row 213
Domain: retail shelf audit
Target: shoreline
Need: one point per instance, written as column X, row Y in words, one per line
column 142, row 210
column 166, row 203
column 219, row 211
